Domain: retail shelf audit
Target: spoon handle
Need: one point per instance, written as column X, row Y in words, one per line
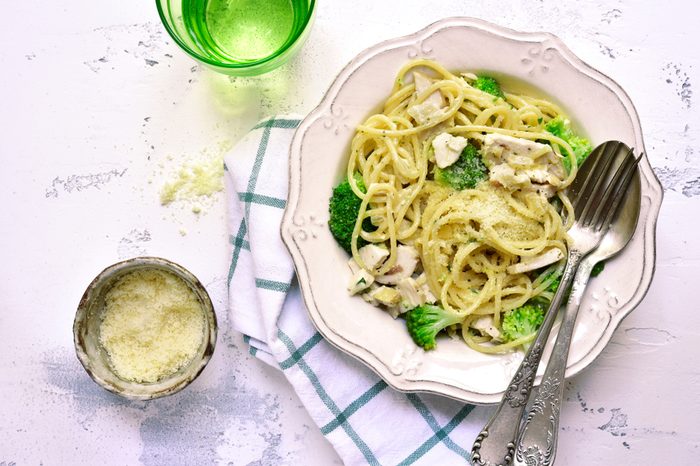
column 537, row 441
column 495, row 445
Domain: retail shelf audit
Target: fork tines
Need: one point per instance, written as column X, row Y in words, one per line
column 601, row 193
column 615, row 190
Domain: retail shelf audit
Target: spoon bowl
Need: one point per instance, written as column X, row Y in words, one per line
column 625, row 220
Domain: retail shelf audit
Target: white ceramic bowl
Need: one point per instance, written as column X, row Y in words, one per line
column 318, row 158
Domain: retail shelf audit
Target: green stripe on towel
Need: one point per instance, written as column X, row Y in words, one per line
column 440, row 434
column 328, row 401
column 262, row 199
column 354, row 406
column 272, row 285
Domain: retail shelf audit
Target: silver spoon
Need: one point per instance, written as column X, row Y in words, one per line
column 537, row 441
column 495, row 445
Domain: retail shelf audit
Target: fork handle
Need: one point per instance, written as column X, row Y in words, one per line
column 495, row 445
column 537, row 441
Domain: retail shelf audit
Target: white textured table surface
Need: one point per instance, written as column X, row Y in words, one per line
column 96, row 101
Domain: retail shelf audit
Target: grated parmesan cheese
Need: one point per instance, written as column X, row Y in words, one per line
column 153, row 325
column 197, row 179
column 494, row 211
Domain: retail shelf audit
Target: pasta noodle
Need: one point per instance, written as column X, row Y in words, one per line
column 468, row 240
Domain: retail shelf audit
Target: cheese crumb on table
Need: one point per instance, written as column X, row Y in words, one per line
column 153, row 324
column 194, row 180
column 197, row 179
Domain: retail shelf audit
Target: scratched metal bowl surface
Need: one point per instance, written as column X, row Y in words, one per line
column 542, row 63
column 93, row 356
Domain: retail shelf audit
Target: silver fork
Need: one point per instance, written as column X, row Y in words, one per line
column 599, row 197
column 537, row 440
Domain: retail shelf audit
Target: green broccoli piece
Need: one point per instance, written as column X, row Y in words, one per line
column 344, row 207
column 466, row 172
column 522, row 321
column 489, row 85
column 426, row 321
column 556, row 274
column 597, row 268
column 561, row 128
column 555, row 283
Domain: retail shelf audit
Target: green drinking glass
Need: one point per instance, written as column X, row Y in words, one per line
column 238, row 37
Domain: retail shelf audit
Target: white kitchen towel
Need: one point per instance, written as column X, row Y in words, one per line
column 366, row 421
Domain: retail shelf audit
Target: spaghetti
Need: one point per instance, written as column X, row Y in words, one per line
column 473, row 245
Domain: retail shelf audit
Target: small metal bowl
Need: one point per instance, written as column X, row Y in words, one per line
column 94, row 358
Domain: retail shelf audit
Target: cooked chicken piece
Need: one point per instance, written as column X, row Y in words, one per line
column 386, row 295
column 506, row 176
column 448, row 149
column 517, row 163
column 422, row 83
column 367, row 295
column 424, row 112
column 373, row 256
column 428, row 296
column 354, row 267
column 485, row 326
column 360, row 281
column 395, row 311
column 406, row 261
column 431, row 107
column 410, row 293
column 526, row 264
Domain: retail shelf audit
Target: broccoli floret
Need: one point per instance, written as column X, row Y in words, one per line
column 489, row 85
column 466, row 172
column 554, row 285
column 426, row 321
column 561, row 128
column 344, row 207
column 556, row 275
column 597, row 268
column 522, row 321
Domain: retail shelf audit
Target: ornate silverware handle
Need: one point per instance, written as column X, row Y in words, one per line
column 495, row 445
column 537, row 441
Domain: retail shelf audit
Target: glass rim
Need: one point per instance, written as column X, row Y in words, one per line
column 249, row 64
